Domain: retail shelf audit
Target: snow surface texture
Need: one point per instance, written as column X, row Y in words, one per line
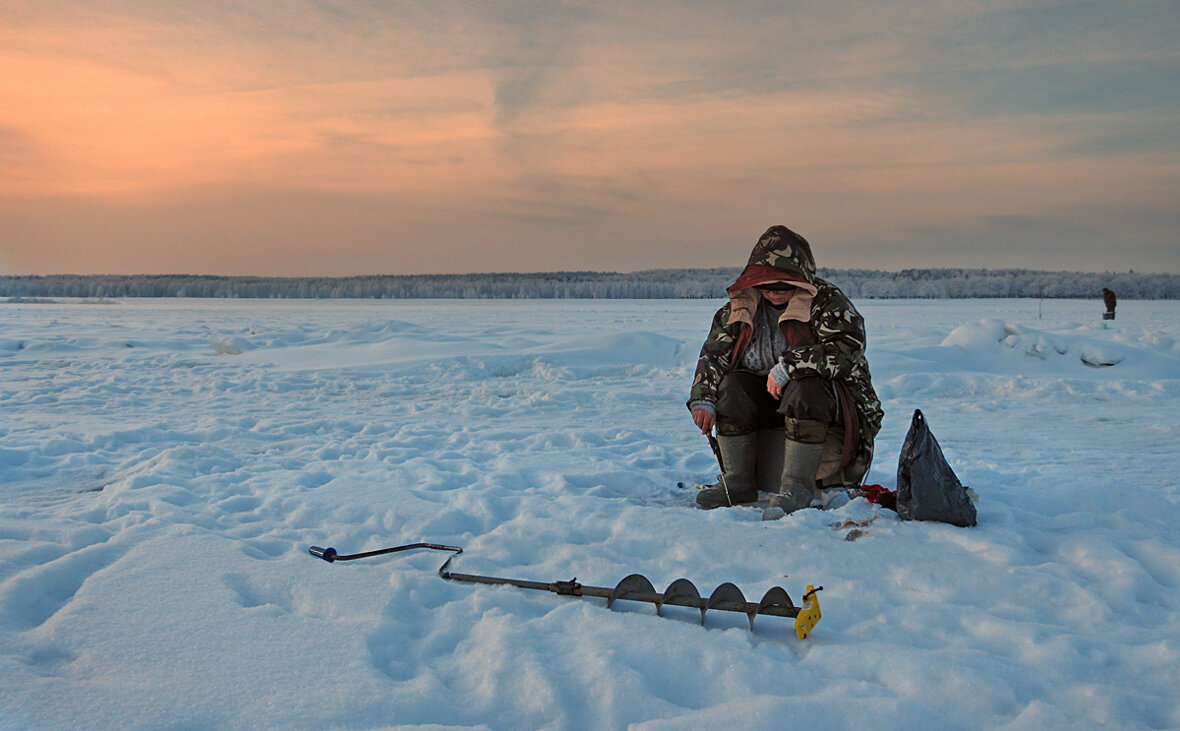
column 164, row 466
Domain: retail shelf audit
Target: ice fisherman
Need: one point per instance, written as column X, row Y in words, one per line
column 783, row 377
column 1110, row 301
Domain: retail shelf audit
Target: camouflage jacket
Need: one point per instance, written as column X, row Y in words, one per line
column 826, row 317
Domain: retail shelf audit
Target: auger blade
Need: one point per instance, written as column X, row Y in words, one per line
column 726, row 597
column 729, row 598
column 683, row 593
column 778, row 598
column 635, row 587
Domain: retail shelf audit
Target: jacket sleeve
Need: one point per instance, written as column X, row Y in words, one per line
column 840, row 341
column 713, row 362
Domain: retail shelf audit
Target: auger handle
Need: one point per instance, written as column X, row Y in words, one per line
column 328, row 554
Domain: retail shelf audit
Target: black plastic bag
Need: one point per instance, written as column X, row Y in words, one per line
column 927, row 488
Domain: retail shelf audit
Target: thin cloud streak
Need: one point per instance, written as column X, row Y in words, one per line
column 360, row 137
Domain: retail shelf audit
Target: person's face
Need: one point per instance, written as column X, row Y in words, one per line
column 777, row 299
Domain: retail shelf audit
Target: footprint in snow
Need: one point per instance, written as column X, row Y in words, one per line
column 251, row 596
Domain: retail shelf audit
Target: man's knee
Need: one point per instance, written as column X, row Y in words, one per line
column 810, row 399
column 742, row 403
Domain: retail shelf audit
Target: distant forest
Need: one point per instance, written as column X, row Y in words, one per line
column 650, row 284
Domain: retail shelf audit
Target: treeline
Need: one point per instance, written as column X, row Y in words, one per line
column 649, row 284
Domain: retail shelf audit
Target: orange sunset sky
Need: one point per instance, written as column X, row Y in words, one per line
column 339, row 137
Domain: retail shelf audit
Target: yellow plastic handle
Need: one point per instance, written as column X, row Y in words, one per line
column 809, row 615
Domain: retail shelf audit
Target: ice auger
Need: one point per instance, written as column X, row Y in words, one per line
column 636, row 587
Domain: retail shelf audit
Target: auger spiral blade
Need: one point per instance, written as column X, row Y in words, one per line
column 682, row 593
column 729, row 598
column 636, row 588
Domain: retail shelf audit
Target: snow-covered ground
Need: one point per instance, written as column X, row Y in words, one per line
column 165, row 464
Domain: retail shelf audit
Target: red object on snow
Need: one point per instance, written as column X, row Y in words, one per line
column 880, row 495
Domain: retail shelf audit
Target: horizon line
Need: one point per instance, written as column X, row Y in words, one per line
column 582, row 272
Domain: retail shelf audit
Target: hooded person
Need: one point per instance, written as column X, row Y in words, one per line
column 1110, row 300
column 782, row 376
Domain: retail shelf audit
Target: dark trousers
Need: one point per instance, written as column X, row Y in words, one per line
column 744, row 405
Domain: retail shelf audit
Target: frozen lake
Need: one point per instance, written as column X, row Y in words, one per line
column 164, row 465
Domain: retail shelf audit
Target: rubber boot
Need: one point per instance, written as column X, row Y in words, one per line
column 770, row 460
column 803, row 450
column 739, row 455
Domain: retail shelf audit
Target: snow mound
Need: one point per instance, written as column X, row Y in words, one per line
column 231, row 345
column 990, row 338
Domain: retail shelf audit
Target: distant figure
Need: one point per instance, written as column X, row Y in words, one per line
column 1110, row 300
column 783, row 377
